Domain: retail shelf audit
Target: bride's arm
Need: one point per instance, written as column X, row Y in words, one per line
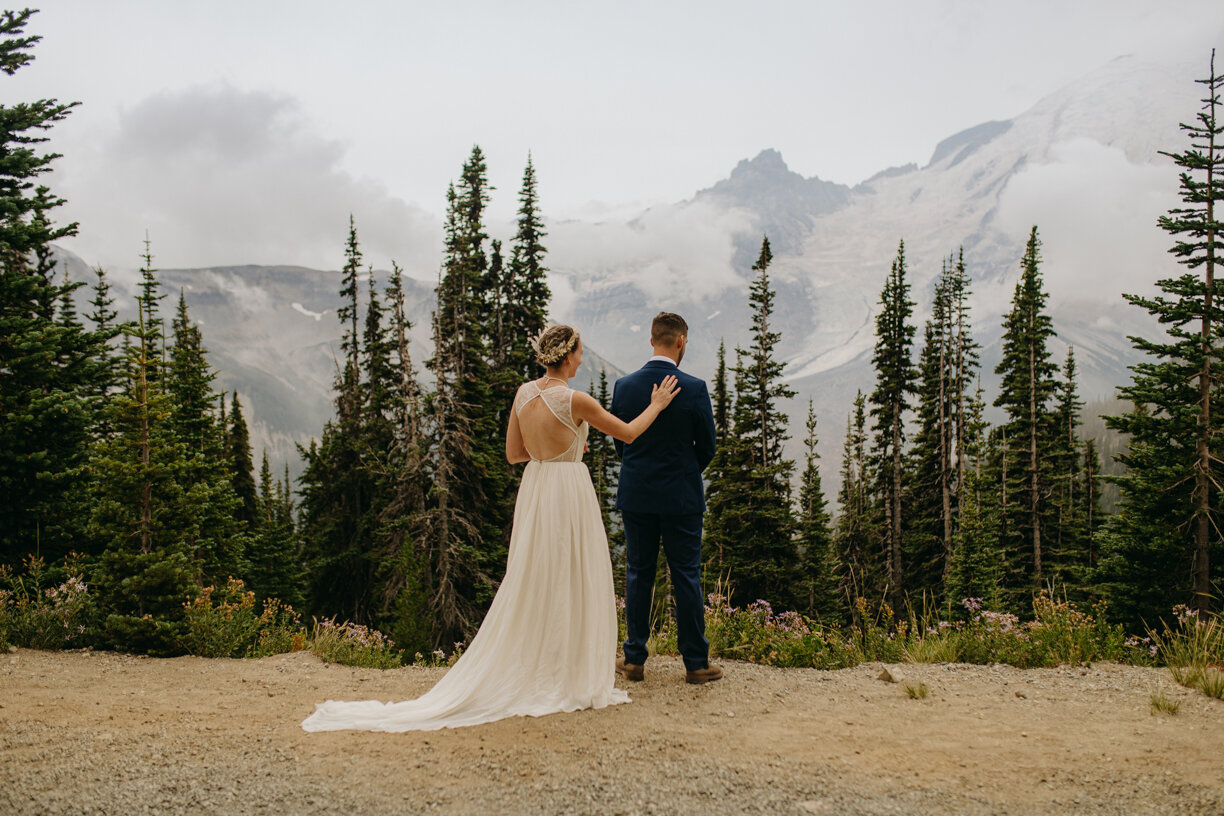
column 516, row 449
column 586, row 407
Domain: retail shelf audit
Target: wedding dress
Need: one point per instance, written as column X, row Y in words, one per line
column 548, row 642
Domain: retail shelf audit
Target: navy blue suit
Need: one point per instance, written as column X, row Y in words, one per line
column 662, row 501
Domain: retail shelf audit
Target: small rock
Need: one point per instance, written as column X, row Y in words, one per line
column 891, row 674
column 1021, row 695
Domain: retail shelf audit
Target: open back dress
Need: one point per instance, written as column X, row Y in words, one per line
column 548, row 642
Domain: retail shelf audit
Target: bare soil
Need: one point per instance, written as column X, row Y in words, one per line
column 86, row 732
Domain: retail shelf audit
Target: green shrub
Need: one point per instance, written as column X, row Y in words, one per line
column 789, row 639
column 37, row 616
column 223, row 623
column 351, row 644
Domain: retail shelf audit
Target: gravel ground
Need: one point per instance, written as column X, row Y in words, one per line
column 84, row 732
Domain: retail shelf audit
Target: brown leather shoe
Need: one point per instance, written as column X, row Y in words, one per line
column 707, row 675
column 631, row 671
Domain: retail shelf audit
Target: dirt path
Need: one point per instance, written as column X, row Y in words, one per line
column 85, row 732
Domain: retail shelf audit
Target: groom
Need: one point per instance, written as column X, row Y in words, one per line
column 662, row 500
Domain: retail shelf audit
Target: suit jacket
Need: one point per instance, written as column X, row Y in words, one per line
column 661, row 470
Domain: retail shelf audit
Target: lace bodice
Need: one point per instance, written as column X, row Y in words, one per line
column 559, row 400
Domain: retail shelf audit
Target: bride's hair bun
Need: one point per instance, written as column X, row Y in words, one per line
column 554, row 344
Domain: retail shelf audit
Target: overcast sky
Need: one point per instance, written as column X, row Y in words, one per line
column 246, row 132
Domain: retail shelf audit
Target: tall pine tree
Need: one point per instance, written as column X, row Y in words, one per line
column 1163, row 546
column 819, row 594
column 46, row 365
column 895, row 375
column 1027, row 389
column 755, row 523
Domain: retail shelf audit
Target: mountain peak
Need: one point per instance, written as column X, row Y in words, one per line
column 768, row 161
column 784, row 202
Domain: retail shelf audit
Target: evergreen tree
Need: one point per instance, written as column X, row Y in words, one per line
column 604, row 465
column 47, row 366
column 107, row 374
column 857, row 539
column 478, row 484
column 211, row 529
column 336, row 524
column 931, row 491
column 977, row 564
column 1091, row 493
column 527, row 292
column 404, row 579
column 1163, row 545
column 349, row 384
column 819, row 569
column 446, row 524
column 1028, row 386
column 275, row 569
column 242, row 469
column 756, row 526
column 895, row 376
column 1068, row 545
column 722, row 476
column 145, row 573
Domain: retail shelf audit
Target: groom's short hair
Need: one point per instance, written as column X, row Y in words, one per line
column 666, row 328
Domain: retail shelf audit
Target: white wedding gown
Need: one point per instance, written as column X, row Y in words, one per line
column 548, row 642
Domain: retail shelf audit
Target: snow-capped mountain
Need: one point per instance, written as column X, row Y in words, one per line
column 1082, row 165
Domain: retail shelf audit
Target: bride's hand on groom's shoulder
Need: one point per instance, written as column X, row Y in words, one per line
column 663, row 393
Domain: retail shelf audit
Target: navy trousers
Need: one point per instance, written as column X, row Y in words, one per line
column 680, row 537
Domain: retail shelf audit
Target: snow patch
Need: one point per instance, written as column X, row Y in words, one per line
column 316, row 315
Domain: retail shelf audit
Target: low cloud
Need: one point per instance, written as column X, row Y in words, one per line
column 221, row 176
column 674, row 253
column 1096, row 214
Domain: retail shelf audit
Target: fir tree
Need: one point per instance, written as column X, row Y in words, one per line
column 242, row 469
column 336, row 491
column 976, row 570
column 604, row 465
column 145, row 573
column 526, row 288
column 46, row 366
column 1163, row 545
column 1028, row 386
column 348, row 386
column 928, row 550
column 404, row 579
column 107, row 373
column 211, row 528
column 857, row 537
column 756, row 523
column 1068, row 545
column 722, row 476
column 819, row 569
column 478, row 485
column 895, row 376
column 275, row 569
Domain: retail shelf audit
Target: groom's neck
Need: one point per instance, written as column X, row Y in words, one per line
column 672, row 354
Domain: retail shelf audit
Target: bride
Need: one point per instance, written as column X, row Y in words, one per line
column 548, row 642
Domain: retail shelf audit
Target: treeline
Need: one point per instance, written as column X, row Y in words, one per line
column 936, row 505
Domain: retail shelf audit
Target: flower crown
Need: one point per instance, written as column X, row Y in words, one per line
column 552, row 356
